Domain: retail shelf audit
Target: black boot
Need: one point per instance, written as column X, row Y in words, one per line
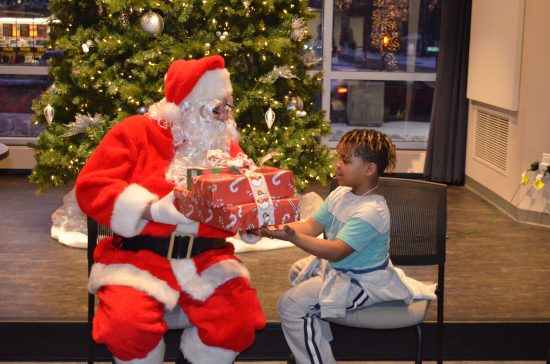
column 180, row 359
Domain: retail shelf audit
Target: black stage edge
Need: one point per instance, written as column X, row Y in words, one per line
column 16, row 172
column 67, row 341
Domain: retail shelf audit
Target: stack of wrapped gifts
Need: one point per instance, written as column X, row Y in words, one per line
column 239, row 199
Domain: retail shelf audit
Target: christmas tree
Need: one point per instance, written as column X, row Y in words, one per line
column 115, row 55
column 385, row 29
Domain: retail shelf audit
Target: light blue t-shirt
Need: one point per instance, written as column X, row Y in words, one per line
column 361, row 222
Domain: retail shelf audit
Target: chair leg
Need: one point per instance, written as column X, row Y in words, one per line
column 440, row 342
column 418, row 344
column 91, row 312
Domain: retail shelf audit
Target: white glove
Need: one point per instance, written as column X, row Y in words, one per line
column 249, row 238
column 165, row 212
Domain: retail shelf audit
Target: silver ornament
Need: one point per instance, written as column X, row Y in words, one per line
column 269, row 117
column 207, row 45
column 85, row 48
column 49, row 112
column 218, row 33
column 225, row 33
column 152, row 23
column 222, row 37
column 295, row 103
column 141, row 110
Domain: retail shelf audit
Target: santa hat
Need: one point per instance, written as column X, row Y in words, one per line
column 194, row 80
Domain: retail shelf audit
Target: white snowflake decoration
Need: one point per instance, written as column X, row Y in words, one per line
column 81, row 123
column 310, row 60
column 277, row 72
column 299, row 29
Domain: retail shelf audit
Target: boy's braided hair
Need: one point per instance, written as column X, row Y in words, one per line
column 371, row 145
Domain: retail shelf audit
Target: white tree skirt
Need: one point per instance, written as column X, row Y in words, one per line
column 69, row 225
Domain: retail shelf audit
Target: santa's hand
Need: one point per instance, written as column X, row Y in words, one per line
column 165, row 212
column 249, row 237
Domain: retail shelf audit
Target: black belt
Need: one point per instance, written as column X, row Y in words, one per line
column 177, row 246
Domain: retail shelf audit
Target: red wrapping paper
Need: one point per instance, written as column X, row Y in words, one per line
column 198, row 171
column 235, row 218
column 228, row 189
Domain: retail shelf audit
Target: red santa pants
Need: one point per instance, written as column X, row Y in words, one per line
column 130, row 322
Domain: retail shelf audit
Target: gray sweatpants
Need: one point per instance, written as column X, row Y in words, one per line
column 307, row 335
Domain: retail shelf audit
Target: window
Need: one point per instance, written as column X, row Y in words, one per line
column 379, row 65
column 24, row 30
column 7, row 30
column 18, row 92
column 23, row 33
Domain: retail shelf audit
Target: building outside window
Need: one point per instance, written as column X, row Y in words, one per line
column 379, row 61
column 23, row 70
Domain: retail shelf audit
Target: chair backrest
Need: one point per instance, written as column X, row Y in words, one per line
column 418, row 211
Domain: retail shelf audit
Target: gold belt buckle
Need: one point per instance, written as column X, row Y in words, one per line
column 181, row 235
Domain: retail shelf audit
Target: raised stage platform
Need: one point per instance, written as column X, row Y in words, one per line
column 496, row 301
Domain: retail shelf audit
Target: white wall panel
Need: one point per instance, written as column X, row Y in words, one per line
column 495, row 52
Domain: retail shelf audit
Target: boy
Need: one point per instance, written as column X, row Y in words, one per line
column 349, row 269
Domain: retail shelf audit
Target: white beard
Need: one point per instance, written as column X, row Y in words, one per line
column 197, row 132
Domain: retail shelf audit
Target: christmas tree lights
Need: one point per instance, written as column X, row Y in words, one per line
column 117, row 52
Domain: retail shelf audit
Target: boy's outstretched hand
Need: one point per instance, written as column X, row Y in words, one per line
column 285, row 233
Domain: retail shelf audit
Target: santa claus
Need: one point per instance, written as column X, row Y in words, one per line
column 158, row 259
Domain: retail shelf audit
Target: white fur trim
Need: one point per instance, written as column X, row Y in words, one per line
column 249, row 238
column 129, row 206
column 155, row 356
column 189, row 227
column 200, row 287
column 214, row 84
column 128, row 275
column 164, row 110
column 197, row 352
column 184, row 270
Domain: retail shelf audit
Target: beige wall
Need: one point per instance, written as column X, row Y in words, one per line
column 534, row 107
column 529, row 132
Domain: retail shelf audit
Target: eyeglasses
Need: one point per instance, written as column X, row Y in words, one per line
column 221, row 109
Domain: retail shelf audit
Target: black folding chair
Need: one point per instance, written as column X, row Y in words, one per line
column 418, row 211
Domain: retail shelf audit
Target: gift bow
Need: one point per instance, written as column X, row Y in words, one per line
column 219, row 158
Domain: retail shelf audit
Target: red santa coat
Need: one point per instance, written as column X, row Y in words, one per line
column 122, row 177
